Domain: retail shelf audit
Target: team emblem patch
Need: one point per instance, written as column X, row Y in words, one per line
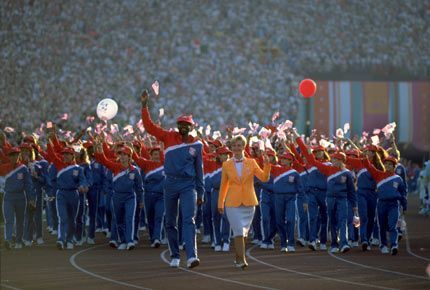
column 20, row 176
column 342, row 179
column 75, row 172
column 290, row 178
column 131, row 176
column 192, row 151
column 395, row 184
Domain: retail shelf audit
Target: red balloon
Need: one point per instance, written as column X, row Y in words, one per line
column 307, row 88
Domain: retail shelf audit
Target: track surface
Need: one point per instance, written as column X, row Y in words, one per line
column 100, row 267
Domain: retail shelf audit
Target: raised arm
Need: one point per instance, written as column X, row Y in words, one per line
column 262, row 174
column 149, row 125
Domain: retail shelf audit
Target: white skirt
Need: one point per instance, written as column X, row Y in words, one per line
column 240, row 219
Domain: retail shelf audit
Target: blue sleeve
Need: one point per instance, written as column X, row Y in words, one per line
column 267, row 186
column 200, row 185
column 403, row 195
column 352, row 195
column 82, row 180
column 28, row 185
column 138, row 187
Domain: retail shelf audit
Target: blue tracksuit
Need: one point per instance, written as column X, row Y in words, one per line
column 154, row 202
column 80, row 218
column 340, row 191
column 366, row 198
column 391, row 191
column 268, row 214
column 107, row 189
column 207, row 208
column 317, row 189
column 18, row 189
column 220, row 224
column 93, row 195
column 303, row 221
column 68, row 181
column 127, row 186
column 286, row 187
column 33, row 218
column 184, row 176
column 51, row 192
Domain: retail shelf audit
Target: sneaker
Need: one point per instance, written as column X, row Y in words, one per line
column 255, row 242
column 142, row 228
column 40, row 241
column 301, row 242
column 192, row 262
column 60, row 245
column 226, row 247
column 175, row 263
column 312, row 246
column 108, row 235
column 264, row 246
column 334, row 250
column 130, row 246
column 323, row 247
column 122, row 247
column 181, row 247
column 284, row 249
column 105, row 231
column 271, row 246
column 375, row 242
column 99, row 230
column 394, row 250
column 18, row 246
column 369, row 248
column 291, row 249
column 79, row 243
column 198, row 232
column 156, row 243
column 27, row 243
column 90, row 241
column 345, row 248
column 136, row 242
column 164, row 241
column 213, row 245
column 113, row 244
column 354, row 244
column 69, row 246
column 206, row 239
column 364, row 246
column 217, row 248
column 384, row 250
column 54, row 233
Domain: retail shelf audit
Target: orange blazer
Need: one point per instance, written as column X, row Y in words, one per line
column 236, row 191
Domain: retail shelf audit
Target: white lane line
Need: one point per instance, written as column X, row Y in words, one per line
column 378, row 269
column 249, row 255
column 74, row 264
column 9, row 287
column 408, row 248
column 162, row 256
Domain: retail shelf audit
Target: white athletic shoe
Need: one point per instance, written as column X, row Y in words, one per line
column 181, row 247
column 345, row 249
column 122, row 246
column 54, row 233
column 271, row 246
column 130, row 246
column 198, row 232
column 206, row 239
column 354, row 244
column 302, row 242
column 69, row 246
column 226, row 247
column 375, row 242
column 283, row 249
column 113, row 244
column 79, row 243
column 156, row 243
column 291, row 249
column 99, row 230
column 27, row 243
column 334, row 250
column 255, row 242
column 312, row 246
column 193, row 262
column 108, row 235
column 164, row 241
column 384, row 250
column 90, row 241
column 40, row 241
column 264, row 246
column 175, row 263
column 60, row 245
column 18, row 246
column 217, row 248
column 323, row 247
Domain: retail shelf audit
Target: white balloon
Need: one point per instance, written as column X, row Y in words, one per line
column 107, row 109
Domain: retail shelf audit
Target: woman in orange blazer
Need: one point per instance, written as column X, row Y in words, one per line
column 237, row 194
